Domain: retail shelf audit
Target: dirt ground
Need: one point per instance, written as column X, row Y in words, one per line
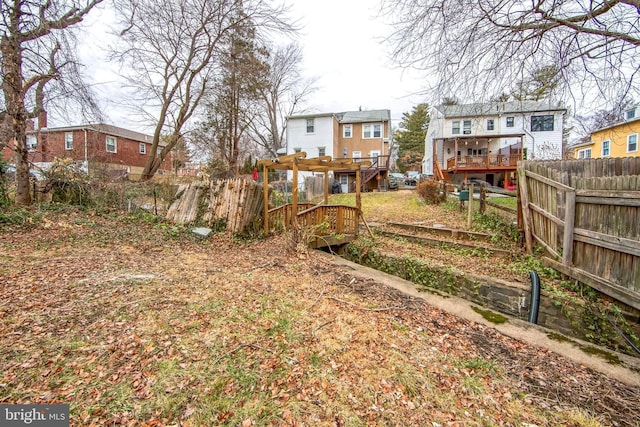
column 141, row 323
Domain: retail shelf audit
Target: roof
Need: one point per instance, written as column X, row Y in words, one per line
column 620, row 123
column 497, row 108
column 362, row 116
column 106, row 129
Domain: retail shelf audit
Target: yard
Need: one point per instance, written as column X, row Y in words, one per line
column 133, row 321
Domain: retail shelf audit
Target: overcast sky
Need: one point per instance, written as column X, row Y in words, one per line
column 342, row 42
column 342, row 45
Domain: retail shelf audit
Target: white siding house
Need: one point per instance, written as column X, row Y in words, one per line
column 492, row 134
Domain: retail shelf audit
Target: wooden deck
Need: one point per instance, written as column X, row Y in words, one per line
column 497, row 162
column 332, row 224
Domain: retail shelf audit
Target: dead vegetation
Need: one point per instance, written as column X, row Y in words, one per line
column 140, row 323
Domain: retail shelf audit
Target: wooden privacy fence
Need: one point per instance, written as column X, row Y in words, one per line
column 586, row 214
column 236, row 201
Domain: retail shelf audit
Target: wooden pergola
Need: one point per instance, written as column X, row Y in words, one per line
column 298, row 162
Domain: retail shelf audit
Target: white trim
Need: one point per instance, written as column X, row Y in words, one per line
column 68, row 146
column 629, row 141
column 142, row 148
column 115, row 144
column 371, row 129
column 608, row 148
column 344, row 131
column 584, row 153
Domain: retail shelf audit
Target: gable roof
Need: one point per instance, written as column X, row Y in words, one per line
column 106, row 129
column 364, row 116
column 617, row 124
column 351, row 116
column 497, row 108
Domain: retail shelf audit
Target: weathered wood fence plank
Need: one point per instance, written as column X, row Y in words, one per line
column 236, row 201
column 586, row 215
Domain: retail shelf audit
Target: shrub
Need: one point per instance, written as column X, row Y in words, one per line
column 431, row 192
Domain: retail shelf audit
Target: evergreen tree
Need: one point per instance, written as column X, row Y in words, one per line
column 410, row 138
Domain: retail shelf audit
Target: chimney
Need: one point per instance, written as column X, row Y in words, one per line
column 42, row 119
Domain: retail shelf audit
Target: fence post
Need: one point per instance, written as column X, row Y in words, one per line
column 470, row 211
column 524, row 195
column 569, row 221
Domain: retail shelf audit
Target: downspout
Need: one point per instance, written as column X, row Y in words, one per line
column 533, row 143
column 535, row 297
column 86, row 156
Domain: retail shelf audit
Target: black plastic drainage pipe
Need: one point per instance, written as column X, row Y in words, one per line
column 535, row 297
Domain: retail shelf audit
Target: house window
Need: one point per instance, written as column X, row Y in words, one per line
column 344, row 180
column 68, row 141
column 466, row 127
column 347, row 131
column 322, row 151
column 357, row 155
column 510, row 122
column 371, row 131
column 631, row 114
column 632, row 143
column 542, row 123
column 489, row 124
column 584, row 154
column 32, row 142
column 455, row 127
column 311, row 125
column 606, row 148
column 112, row 145
column 142, row 148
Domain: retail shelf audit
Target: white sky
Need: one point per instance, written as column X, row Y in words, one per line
column 342, row 47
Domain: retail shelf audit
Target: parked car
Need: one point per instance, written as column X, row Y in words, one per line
column 477, row 183
column 395, row 180
column 411, row 178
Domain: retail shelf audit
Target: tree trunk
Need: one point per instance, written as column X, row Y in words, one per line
column 14, row 100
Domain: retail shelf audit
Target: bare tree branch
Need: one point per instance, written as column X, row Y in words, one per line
column 478, row 48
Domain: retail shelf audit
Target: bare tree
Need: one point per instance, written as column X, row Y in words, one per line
column 281, row 95
column 480, row 47
column 171, row 49
column 36, row 53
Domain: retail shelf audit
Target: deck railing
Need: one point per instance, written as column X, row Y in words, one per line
column 281, row 217
column 330, row 219
column 326, row 219
column 486, row 161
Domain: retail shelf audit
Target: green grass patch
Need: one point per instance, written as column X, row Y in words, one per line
column 491, row 316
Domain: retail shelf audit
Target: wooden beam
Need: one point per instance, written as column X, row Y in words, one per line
column 294, row 197
column 613, row 290
column 526, row 215
column 326, row 187
column 265, row 198
column 614, row 243
column 358, row 198
column 569, row 221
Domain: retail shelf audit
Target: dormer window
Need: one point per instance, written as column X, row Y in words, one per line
column 630, row 114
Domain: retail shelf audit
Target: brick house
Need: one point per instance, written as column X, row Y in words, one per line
column 94, row 147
